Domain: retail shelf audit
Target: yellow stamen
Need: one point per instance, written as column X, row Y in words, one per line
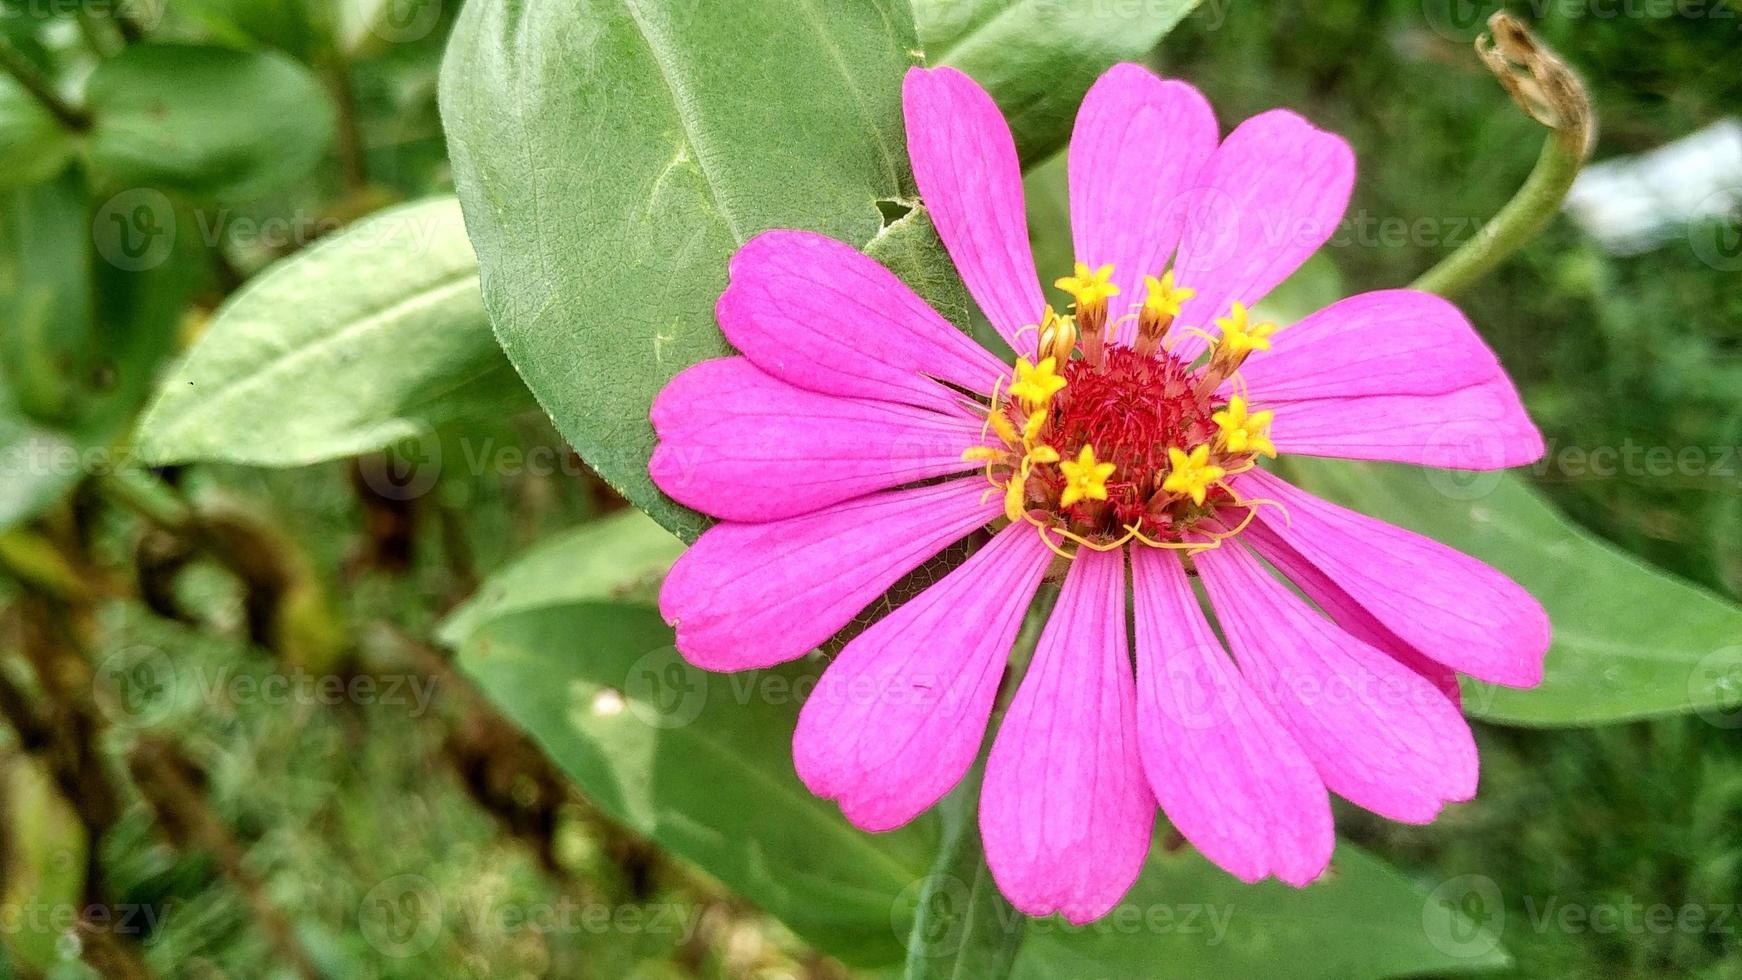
column 1031, row 428
column 1164, row 299
column 1240, row 338
column 1058, row 336
column 1089, row 287
column 1191, row 473
column 1085, row 479
column 1035, row 384
column 1244, row 431
column 1015, row 498
column 981, row 453
column 1005, row 430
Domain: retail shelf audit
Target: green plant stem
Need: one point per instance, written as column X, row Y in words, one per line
column 149, row 497
column 19, row 67
column 1522, row 218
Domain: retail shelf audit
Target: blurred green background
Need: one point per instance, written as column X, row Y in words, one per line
column 417, row 834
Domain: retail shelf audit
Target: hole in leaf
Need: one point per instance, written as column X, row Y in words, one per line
column 893, row 210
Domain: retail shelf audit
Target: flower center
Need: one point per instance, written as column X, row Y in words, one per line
column 1126, row 443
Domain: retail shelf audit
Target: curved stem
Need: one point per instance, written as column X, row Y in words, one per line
column 1523, row 217
column 19, row 67
column 1546, row 89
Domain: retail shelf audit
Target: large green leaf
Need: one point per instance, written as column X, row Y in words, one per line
column 963, row 926
column 46, row 296
column 42, row 862
column 1038, row 57
column 612, row 154
column 34, row 145
column 1187, row 918
column 210, row 121
column 37, row 466
column 367, row 338
column 701, row 764
column 622, row 556
column 1629, row 641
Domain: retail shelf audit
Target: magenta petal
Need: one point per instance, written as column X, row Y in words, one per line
column 1065, row 813
column 1345, row 611
column 816, row 313
column 1139, row 143
column 899, row 716
column 965, row 163
column 1379, row 734
column 1482, row 427
column 1270, row 196
column 755, row 595
column 1230, row 777
column 740, row 445
column 1440, row 601
column 1392, row 342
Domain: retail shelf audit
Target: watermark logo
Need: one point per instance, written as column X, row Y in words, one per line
column 938, row 904
column 401, row 21
column 402, row 916
column 664, row 691
column 1716, row 232
column 1464, row 916
column 135, row 230
column 135, row 686
column 1719, row 671
column 405, row 471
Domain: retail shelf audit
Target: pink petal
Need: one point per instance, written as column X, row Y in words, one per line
column 1442, row 602
column 743, row 446
column 1139, row 143
column 1482, row 427
column 1229, row 776
column 1345, row 611
column 965, row 163
column 755, row 595
column 899, row 716
column 1392, row 342
column 815, row 313
column 1378, row 733
column 1270, row 196
column 1065, row 813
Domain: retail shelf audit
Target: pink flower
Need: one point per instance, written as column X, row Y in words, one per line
column 861, row 434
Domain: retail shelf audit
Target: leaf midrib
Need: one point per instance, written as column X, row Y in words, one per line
column 441, row 289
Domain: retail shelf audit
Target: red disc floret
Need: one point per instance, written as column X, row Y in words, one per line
column 1131, row 410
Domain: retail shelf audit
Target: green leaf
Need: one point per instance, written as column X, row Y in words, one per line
column 368, row 338
column 1038, row 57
column 1629, row 641
column 1185, row 917
column 963, row 926
column 622, row 556
column 613, row 154
column 213, row 122
column 46, row 298
column 44, row 847
column 34, row 146
column 702, row 765
column 37, row 466
column 300, row 28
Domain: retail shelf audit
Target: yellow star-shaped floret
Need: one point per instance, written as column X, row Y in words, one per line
column 1192, row 473
column 1239, row 337
column 1085, row 479
column 1244, row 431
column 1036, row 383
column 1089, row 287
column 1164, row 298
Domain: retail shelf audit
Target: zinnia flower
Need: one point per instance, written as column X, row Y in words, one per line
column 860, row 434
